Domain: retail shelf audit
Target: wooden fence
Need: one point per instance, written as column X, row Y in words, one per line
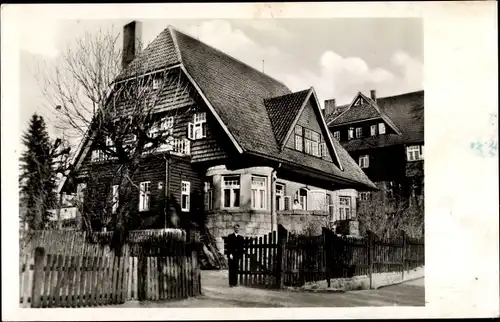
column 295, row 260
column 154, row 268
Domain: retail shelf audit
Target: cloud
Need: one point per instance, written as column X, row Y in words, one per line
column 269, row 26
column 223, row 36
column 342, row 77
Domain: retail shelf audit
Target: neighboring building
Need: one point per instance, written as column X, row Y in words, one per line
column 386, row 137
column 244, row 146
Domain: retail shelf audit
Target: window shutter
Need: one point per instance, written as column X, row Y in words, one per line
column 190, row 131
column 323, row 152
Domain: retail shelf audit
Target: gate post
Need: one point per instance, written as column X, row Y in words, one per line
column 37, row 277
column 280, row 260
column 370, row 256
column 403, row 254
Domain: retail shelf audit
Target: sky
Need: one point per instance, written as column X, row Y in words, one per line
column 338, row 57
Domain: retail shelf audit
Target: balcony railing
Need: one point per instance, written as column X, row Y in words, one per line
column 178, row 146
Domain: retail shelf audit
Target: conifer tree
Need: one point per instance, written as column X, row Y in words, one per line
column 38, row 177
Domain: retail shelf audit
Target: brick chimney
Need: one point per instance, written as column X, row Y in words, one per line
column 373, row 95
column 330, row 106
column 132, row 39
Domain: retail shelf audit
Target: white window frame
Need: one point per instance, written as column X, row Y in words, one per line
column 98, row 155
column 114, row 198
column 364, row 161
column 287, row 203
column 198, row 128
column 303, row 200
column 364, row 195
column 336, row 135
column 209, row 196
column 144, row 195
column 359, row 132
column 299, row 138
column 157, row 82
column 323, row 149
column 329, row 207
column 350, row 133
column 185, row 193
column 345, row 211
column 381, row 128
column 413, row 153
column 280, row 196
column 232, row 187
column 258, row 193
column 373, row 130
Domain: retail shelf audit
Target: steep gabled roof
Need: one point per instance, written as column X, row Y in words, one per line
column 283, row 110
column 366, row 111
column 245, row 101
column 407, row 113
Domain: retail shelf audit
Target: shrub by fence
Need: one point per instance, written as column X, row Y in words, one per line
column 294, row 260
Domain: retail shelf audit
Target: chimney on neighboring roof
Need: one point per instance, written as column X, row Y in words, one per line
column 132, row 39
column 330, row 106
column 373, row 95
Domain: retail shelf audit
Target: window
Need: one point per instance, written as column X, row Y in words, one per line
column 298, row 138
column 336, row 135
column 167, row 125
column 381, row 128
column 344, row 208
column 230, row 191
column 115, row 198
column 185, row 195
column 301, row 196
column 308, row 141
column 144, row 195
column 109, row 142
column 373, row 130
column 414, row 153
column 98, row 155
column 363, row 195
column 198, row 128
column 258, row 192
column 350, row 133
column 364, row 161
column 329, row 206
column 358, row 132
column 280, row 196
column 156, row 83
column 288, row 203
column 323, row 151
column 208, row 195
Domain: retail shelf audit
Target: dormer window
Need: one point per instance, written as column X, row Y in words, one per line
column 359, row 132
column 364, row 161
column 350, row 133
column 373, row 130
column 381, row 128
column 336, row 135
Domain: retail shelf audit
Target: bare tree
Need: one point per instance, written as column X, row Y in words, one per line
column 387, row 218
column 117, row 110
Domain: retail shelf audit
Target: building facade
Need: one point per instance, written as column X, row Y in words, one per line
column 386, row 137
column 244, row 149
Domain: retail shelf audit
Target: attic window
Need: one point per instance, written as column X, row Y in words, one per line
column 381, row 128
column 364, row 161
column 373, row 130
column 336, row 135
column 359, row 132
column 350, row 133
column 198, row 128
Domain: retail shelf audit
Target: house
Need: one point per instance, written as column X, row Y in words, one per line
column 244, row 148
column 386, row 137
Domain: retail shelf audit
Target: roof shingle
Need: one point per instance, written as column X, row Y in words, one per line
column 283, row 110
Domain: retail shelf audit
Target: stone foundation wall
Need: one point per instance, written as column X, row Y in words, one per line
column 252, row 224
column 298, row 220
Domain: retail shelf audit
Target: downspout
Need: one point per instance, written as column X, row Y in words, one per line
column 274, row 217
column 167, row 188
